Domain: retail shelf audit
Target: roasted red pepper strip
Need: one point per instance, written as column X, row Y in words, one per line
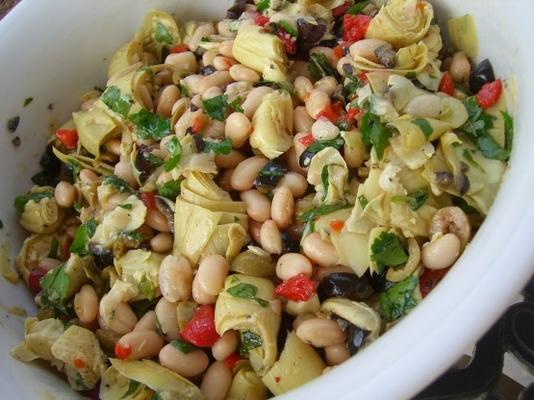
column 261, row 20
column 290, row 42
column 329, row 113
column 447, row 84
column 307, row 140
column 489, row 94
column 34, row 279
column 339, row 52
column 340, row 10
column 297, row 288
column 355, row 27
column 179, row 48
column 122, row 351
column 430, row 278
column 337, row 225
column 231, row 361
column 69, row 138
column 148, row 199
column 200, row 330
column 353, row 113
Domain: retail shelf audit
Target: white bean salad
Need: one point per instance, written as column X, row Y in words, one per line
column 247, row 203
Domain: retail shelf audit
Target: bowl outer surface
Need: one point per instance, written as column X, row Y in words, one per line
column 56, row 50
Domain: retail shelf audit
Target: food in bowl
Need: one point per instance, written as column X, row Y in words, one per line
column 249, row 203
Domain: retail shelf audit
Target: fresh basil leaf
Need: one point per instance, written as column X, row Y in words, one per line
column 247, row 291
column 357, row 8
column 45, row 178
column 363, row 201
column 20, row 201
column 318, row 145
column 387, row 250
column 351, row 87
column 216, row 107
column 184, row 347
column 324, row 181
column 218, row 147
column 375, row 133
column 263, row 5
column 150, row 125
column 81, row 238
column 112, row 98
column 126, row 206
column 236, row 105
column 170, row 189
column 175, row 151
column 288, row 28
column 319, row 67
column 469, row 158
column 132, row 388
column 249, row 341
column 56, row 280
column 415, row 200
column 309, row 216
column 54, row 247
column 162, row 34
column 398, row 300
column 425, row 126
column 508, row 130
column 117, row 183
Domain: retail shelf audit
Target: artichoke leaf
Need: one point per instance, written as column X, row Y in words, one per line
column 128, row 54
column 44, row 215
column 95, row 127
column 159, row 30
column 227, row 240
column 116, row 386
column 34, row 249
column 410, row 60
column 84, row 162
column 337, row 176
column 247, row 385
column 141, row 268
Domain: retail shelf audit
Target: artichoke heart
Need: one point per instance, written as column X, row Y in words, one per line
column 167, row 384
column 116, row 386
column 34, row 249
column 159, row 30
column 328, row 160
column 141, row 268
column 94, row 127
column 128, row 54
column 250, row 314
column 273, row 125
column 43, row 216
column 246, row 385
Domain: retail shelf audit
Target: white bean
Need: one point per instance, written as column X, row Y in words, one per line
column 323, row 129
column 237, row 129
column 226, row 48
column 86, row 304
column 183, row 61
column 316, row 102
column 302, row 120
column 245, row 173
column 254, row 99
column 157, row 220
column 175, row 279
column 319, row 250
column 222, row 63
column 460, row 68
column 295, row 182
column 216, row 382
column 336, row 354
column 148, row 322
column 218, row 78
column 320, row 332
column 141, row 344
column 65, row 194
column 209, row 280
column 282, row 207
column 187, row 365
column 239, row 72
column 441, row 253
column 270, row 238
column 169, row 95
column 225, row 345
column 293, row 264
column 230, row 160
column 212, row 92
column 303, row 87
column 328, row 84
column 167, row 319
column 258, row 205
column 208, row 56
column 162, row 242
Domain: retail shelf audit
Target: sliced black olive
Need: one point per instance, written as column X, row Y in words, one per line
column 309, row 35
column 199, row 143
column 355, row 338
column 165, row 206
column 444, row 178
column 346, row 285
column 143, row 164
column 386, row 55
column 101, row 256
column 378, row 281
column 199, row 52
column 237, row 9
column 481, row 74
column 348, row 69
column 49, row 161
column 286, row 325
column 328, row 42
column 289, row 244
column 269, row 176
column 305, row 158
column 207, row 70
column 462, row 181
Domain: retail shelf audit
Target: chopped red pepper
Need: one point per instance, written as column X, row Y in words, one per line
column 34, row 279
column 489, row 94
column 200, row 330
column 197, row 124
column 69, row 138
column 362, row 77
column 261, row 20
column 430, row 278
column 289, row 41
column 148, row 199
column 337, row 225
column 122, row 351
column 307, row 140
column 354, row 113
column 340, row 10
column 277, row 379
column 355, row 27
column 179, row 48
column 328, row 113
column 297, row 288
column 232, row 360
column 447, row 84
column 339, row 52
column 79, row 363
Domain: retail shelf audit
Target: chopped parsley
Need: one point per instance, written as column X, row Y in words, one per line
column 218, row 147
column 351, row 86
column 218, row 107
column 81, row 237
column 324, row 181
column 150, row 125
column 126, row 206
column 133, row 386
column 235, row 105
column 184, row 347
column 27, row 101
column 55, row 285
column 308, row 217
column 249, row 341
column 415, row 200
column 363, row 201
column 175, row 151
column 375, row 133
column 153, row 160
column 121, row 104
column 425, row 126
column 117, row 183
column 387, row 250
column 170, row 189
column 20, row 201
column 263, row 5
column 399, row 299
column 247, row 291
column 318, row 145
column 357, row 8
column 288, row 28
column 54, row 247
column 319, row 66
column 162, row 34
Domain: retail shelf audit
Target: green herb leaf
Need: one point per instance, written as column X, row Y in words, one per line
column 508, row 130
column 319, row 145
column 387, row 250
column 218, row 147
column 126, row 206
column 469, row 158
column 263, row 5
column 170, row 189
column 27, row 101
column 357, row 8
column 309, row 216
column 398, row 300
column 156, row 396
column 121, row 104
column 324, row 180
column 351, row 86
column 216, row 107
column 319, row 67
column 288, row 28
column 153, row 160
column 55, row 285
column 461, row 203
column 20, row 201
column 375, row 133
column 146, row 287
column 415, row 200
column 363, row 201
column 425, row 126
column 133, row 236
column 82, row 236
column 247, row 291
column 54, row 247
column 175, row 151
column 117, row 183
column 184, row 347
column 132, row 388
column 162, row 34
column 236, row 105
column 150, row 125
column 274, row 85
column 249, row 341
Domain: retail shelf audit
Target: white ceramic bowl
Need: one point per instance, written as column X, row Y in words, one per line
column 56, row 50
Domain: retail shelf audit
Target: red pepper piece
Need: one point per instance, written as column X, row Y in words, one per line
column 69, row 138
column 148, row 199
column 339, row 52
column 122, row 351
column 34, row 279
column 289, row 41
column 447, row 84
column 261, row 20
column 200, row 330
column 430, row 279
column 179, row 48
column 307, row 140
column 355, row 27
column 231, row 361
column 297, row 288
column 79, row 363
column 328, row 113
column 489, row 94
column 353, row 113
column 337, row 225
column 340, row 10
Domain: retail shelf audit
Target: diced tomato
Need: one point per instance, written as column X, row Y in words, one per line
column 297, row 288
column 489, row 94
column 200, row 330
column 34, row 279
column 447, row 84
column 79, row 363
column 69, row 138
column 355, row 27
column 353, row 113
column 337, row 225
column 340, row 10
column 261, row 20
column 328, row 113
column 232, row 360
column 430, row 278
column 148, row 199
column 197, row 124
column 339, row 52
column 289, row 41
column 338, row 108
column 122, row 351
column 179, row 48
column 307, row 140
column 362, row 77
